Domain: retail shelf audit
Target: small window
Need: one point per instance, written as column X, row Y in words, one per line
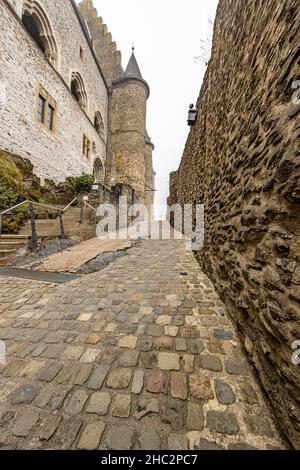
column 41, row 108
column 86, row 146
column 46, row 109
column 81, row 53
column 98, row 123
column 78, row 90
column 50, row 117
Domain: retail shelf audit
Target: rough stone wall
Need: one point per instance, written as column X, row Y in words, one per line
column 16, row 5
column 173, row 188
column 149, row 179
column 242, row 161
column 106, row 49
column 22, row 67
column 104, row 195
column 126, row 154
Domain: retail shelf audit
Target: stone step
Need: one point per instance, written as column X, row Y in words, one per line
column 46, row 231
column 4, row 261
column 43, row 228
column 6, row 253
column 12, row 245
column 69, row 234
column 13, row 237
column 75, row 219
column 49, row 225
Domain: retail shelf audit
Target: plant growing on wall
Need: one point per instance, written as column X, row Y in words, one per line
column 12, row 189
column 83, row 183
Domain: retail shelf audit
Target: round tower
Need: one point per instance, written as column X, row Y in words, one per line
column 128, row 129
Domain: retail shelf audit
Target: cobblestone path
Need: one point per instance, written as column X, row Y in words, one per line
column 135, row 356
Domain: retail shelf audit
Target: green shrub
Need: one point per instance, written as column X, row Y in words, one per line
column 12, row 189
column 83, row 183
column 13, row 222
column 8, row 197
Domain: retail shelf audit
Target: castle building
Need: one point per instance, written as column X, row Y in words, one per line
column 69, row 106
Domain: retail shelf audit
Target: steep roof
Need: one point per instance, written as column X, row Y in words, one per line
column 132, row 69
column 132, row 72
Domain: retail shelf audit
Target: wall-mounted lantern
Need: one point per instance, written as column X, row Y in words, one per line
column 192, row 118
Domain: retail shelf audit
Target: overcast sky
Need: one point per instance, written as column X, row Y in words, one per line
column 167, row 35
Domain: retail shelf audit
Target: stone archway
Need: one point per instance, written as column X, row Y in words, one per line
column 98, row 171
column 39, row 27
column 78, row 90
column 98, row 123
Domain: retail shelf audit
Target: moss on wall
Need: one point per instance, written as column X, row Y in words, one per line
column 18, row 183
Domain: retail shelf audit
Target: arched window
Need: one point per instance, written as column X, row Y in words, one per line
column 78, row 90
column 38, row 25
column 98, row 123
column 98, row 171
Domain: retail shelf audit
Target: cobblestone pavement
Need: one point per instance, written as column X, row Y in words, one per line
column 140, row 355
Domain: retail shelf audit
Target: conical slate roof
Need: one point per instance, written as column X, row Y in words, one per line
column 133, row 69
column 132, row 72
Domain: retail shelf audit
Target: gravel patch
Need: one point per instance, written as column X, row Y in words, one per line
column 101, row 262
column 47, row 248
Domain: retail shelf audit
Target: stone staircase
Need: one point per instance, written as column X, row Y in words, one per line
column 73, row 229
column 12, row 246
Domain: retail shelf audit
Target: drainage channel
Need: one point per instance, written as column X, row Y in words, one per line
column 52, row 278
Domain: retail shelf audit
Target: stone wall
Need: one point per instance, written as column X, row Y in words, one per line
column 23, row 66
column 104, row 195
column 242, row 161
column 149, row 178
column 106, row 49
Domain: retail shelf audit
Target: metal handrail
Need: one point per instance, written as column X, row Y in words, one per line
column 6, row 211
column 69, row 205
column 57, row 209
column 60, row 212
column 91, row 207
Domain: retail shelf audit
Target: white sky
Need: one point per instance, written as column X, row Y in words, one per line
column 167, row 36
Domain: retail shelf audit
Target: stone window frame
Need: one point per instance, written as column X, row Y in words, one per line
column 34, row 9
column 81, row 93
column 49, row 103
column 99, row 123
column 86, row 147
column 98, row 171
